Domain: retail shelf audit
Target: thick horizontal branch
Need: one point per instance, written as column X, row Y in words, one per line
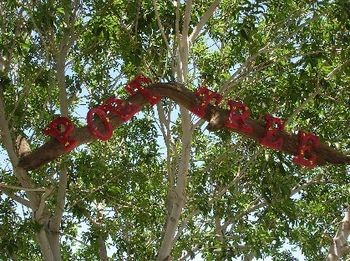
column 214, row 115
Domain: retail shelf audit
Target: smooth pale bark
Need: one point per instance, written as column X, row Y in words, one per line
column 60, row 75
column 339, row 246
column 48, row 236
column 102, row 249
column 55, row 220
column 25, row 181
column 177, row 201
column 54, row 240
column 20, row 173
column 196, row 31
column 45, row 246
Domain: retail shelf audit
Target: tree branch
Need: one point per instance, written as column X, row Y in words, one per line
column 177, row 92
column 16, row 198
column 165, row 129
column 187, row 20
column 38, row 213
column 203, row 21
column 302, row 105
column 64, row 47
column 176, row 195
column 257, row 204
column 215, row 197
column 339, row 245
column 260, row 202
column 177, row 19
column 164, row 125
column 245, row 68
column 161, row 28
column 60, row 74
column 61, row 195
column 336, row 70
column 20, row 173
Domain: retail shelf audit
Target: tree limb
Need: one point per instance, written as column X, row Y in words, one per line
column 20, row 173
column 336, row 70
column 16, row 198
column 61, row 195
column 217, row 195
column 38, row 213
column 204, row 19
column 177, row 92
column 257, row 204
column 161, row 28
column 339, row 245
column 179, row 193
column 187, row 20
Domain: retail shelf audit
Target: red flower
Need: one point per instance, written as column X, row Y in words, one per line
column 122, row 109
column 137, row 83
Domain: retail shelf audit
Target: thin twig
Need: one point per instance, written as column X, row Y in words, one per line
column 160, row 25
column 336, row 70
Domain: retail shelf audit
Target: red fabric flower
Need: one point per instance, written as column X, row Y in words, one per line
column 122, row 109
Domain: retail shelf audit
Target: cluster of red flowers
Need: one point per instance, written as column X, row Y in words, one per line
column 62, row 127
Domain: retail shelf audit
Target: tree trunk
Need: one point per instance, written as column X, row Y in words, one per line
column 54, row 239
column 339, row 246
column 178, row 201
column 45, row 246
column 102, row 249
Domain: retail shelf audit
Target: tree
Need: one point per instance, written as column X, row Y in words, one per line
column 165, row 186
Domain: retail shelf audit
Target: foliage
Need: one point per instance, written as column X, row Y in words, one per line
column 289, row 58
